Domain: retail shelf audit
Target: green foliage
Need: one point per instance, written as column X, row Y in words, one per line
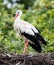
column 40, row 15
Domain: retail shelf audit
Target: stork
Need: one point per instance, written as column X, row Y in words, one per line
column 29, row 32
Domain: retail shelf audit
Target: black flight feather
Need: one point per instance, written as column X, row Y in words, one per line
column 32, row 38
column 35, row 47
column 39, row 38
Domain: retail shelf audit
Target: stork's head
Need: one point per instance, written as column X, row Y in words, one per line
column 18, row 14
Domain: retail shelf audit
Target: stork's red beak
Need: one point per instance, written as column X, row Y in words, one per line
column 16, row 16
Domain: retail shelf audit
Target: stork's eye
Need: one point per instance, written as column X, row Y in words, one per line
column 18, row 12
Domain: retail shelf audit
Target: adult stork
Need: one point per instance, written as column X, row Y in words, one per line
column 29, row 32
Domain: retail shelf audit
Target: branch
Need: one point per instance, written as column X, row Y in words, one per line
column 32, row 59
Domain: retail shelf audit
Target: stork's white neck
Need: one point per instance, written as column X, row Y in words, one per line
column 18, row 19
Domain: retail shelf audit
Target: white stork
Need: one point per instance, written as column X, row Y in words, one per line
column 29, row 32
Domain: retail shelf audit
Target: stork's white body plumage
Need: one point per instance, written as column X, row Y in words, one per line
column 23, row 26
column 30, row 33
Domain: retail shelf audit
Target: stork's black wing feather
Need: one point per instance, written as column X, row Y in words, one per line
column 40, row 38
column 35, row 47
column 35, row 44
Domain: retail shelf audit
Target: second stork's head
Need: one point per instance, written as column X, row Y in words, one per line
column 18, row 14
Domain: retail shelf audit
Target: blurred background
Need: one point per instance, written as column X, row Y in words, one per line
column 40, row 13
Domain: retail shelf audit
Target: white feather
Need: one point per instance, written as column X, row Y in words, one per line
column 23, row 26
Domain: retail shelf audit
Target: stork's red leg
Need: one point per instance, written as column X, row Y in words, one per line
column 26, row 47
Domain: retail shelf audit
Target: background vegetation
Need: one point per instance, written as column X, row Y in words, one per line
column 40, row 13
